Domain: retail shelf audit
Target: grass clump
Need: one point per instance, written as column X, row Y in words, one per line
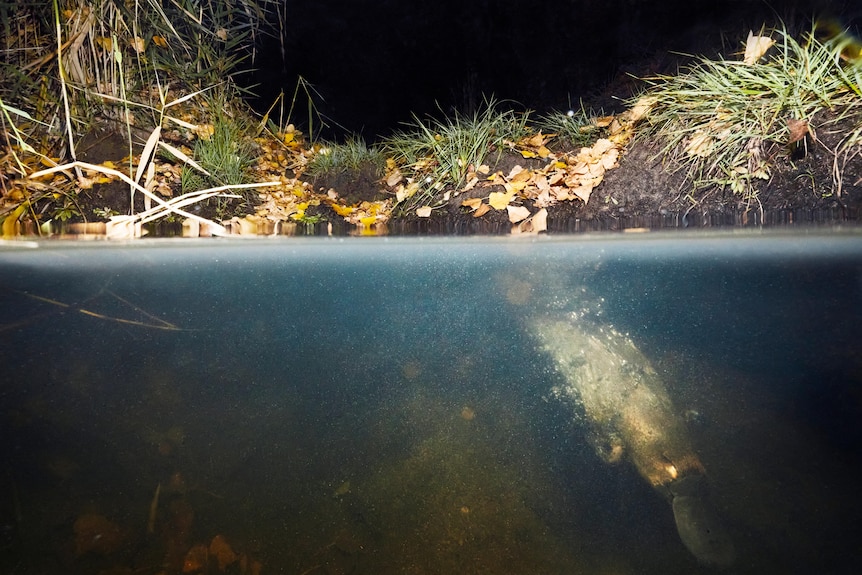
column 725, row 121
column 226, row 155
column 351, row 156
column 577, row 127
column 437, row 154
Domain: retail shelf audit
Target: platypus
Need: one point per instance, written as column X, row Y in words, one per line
column 631, row 417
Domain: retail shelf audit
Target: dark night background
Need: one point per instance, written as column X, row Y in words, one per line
column 374, row 62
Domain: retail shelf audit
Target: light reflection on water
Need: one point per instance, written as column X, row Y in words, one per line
column 310, row 407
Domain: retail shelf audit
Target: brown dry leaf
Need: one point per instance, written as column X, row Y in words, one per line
column 221, row 550
column 484, row 169
column 640, row 109
column 534, row 225
column 798, row 130
column 393, row 178
column 604, row 121
column 105, row 43
column 609, row 160
column 699, row 145
column 519, row 174
column 537, row 141
column 517, row 213
column 160, row 41
column 583, row 192
column 196, row 559
column 424, row 212
column 756, row 47
column 473, row 203
column 481, row 210
column 137, row 43
column 471, row 183
column 222, row 34
column 601, row 146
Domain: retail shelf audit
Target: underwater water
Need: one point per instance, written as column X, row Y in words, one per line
column 370, row 405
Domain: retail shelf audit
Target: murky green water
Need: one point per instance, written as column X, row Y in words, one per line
column 378, row 406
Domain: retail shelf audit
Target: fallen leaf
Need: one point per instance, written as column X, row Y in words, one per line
column 516, row 186
column 583, row 192
column 517, row 213
column 160, row 41
column 222, row 34
column 756, row 47
column 537, row 141
column 499, row 200
column 518, row 174
column 601, row 146
column 221, row 550
column 481, row 210
column 471, row 183
column 424, row 212
column 699, row 145
column 196, row 559
column 137, row 44
column 540, row 221
column 798, row 130
column 534, row 225
column 393, row 178
column 473, row 203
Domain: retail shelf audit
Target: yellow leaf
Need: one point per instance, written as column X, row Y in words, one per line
column 604, row 121
column 368, row 221
column 424, row 212
column 512, row 187
column 499, row 200
column 137, row 44
column 543, row 152
column 341, row 210
column 9, row 224
column 104, row 42
column 160, row 41
column 472, row 203
column 528, row 154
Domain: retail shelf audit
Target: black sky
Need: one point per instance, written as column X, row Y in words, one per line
column 374, row 62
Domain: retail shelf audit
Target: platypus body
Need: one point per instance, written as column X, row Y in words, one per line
column 632, row 417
